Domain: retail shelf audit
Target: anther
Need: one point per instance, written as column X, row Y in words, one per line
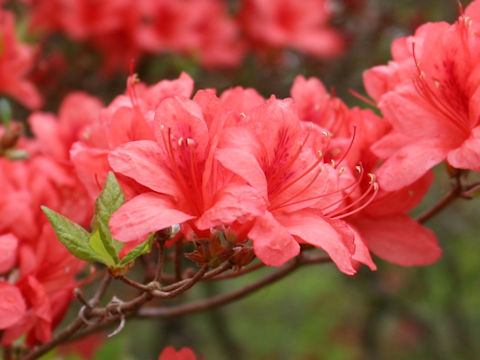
column 335, row 152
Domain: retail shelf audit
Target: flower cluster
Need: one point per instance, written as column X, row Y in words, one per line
column 37, row 274
column 123, row 30
column 169, row 353
column 16, row 60
column 280, row 172
column 271, row 177
column 430, row 93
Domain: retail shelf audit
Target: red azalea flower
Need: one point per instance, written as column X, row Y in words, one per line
column 301, row 25
column 435, row 112
column 8, row 252
column 185, row 180
column 16, row 60
column 384, row 224
column 128, row 118
column 169, row 353
column 12, row 305
column 280, row 156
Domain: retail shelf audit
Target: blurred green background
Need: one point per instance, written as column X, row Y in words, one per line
column 318, row 313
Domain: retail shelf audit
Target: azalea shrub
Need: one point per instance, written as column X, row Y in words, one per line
column 122, row 203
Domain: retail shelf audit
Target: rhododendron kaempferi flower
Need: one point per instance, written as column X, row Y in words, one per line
column 184, row 26
column 186, row 181
column 169, row 353
column 12, row 305
column 282, row 158
column 435, row 111
column 39, row 266
column 128, row 118
column 384, row 224
column 110, row 26
column 301, row 25
column 16, row 60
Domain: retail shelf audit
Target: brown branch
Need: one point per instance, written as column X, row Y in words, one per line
column 192, row 281
column 161, row 237
column 238, row 273
column 56, row 340
column 71, row 329
column 114, row 312
column 177, row 260
column 207, row 276
column 220, row 300
column 134, row 284
column 441, row 204
column 160, row 260
column 107, row 279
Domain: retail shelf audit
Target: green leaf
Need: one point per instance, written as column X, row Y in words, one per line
column 5, row 109
column 97, row 245
column 106, row 204
column 72, row 236
column 137, row 251
column 16, row 154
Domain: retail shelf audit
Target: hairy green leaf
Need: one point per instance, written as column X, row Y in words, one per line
column 106, row 204
column 137, row 251
column 74, row 237
column 97, row 245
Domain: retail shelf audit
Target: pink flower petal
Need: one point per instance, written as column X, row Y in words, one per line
column 409, row 164
column 143, row 215
column 8, row 252
column 143, row 161
column 272, row 242
column 245, row 165
column 235, row 203
column 12, row 305
column 312, row 228
column 400, row 240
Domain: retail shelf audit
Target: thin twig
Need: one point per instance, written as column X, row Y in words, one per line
column 207, row 276
column 134, row 284
column 192, row 281
column 56, row 340
column 160, row 260
column 81, row 297
column 234, row 295
column 71, row 329
column 132, row 308
column 440, row 205
column 219, row 300
column 107, row 279
column 238, row 273
column 177, row 261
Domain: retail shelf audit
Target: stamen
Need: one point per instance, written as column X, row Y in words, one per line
column 349, row 145
column 442, row 105
column 362, row 98
column 351, row 187
column 375, row 188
